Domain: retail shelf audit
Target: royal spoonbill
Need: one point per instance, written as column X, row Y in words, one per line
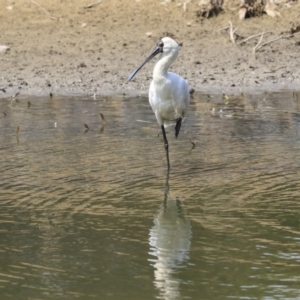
column 168, row 93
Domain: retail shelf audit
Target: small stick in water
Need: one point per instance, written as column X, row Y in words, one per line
column 103, row 118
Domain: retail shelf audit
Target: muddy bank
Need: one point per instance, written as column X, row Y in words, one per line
column 68, row 48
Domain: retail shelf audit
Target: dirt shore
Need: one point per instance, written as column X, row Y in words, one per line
column 62, row 47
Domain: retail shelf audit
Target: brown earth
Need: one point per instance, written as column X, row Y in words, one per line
column 93, row 50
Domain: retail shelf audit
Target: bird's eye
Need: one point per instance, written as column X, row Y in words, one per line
column 161, row 44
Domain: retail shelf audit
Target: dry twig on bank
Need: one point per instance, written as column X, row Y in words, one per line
column 93, row 4
column 274, row 40
column 232, row 32
column 44, row 10
column 225, row 28
column 252, row 36
column 257, row 45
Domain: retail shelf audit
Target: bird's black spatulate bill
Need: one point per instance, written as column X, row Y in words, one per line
column 155, row 52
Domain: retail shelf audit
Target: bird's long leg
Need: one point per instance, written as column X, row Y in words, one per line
column 167, row 187
column 177, row 127
column 166, row 145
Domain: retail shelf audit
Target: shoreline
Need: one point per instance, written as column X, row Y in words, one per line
column 92, row 51
column 216, row 90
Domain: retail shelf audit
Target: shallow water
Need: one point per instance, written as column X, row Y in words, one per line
column 91, row 214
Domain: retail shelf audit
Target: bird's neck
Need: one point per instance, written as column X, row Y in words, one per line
column 161, row 68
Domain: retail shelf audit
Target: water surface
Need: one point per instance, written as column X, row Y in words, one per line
column 92, row 214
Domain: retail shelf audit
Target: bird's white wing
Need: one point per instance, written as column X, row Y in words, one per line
column 170, row 100
column 180, row 93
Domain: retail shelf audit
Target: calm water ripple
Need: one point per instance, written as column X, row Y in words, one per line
column 91, row 214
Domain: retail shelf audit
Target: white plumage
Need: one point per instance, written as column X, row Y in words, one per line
column 169, row 93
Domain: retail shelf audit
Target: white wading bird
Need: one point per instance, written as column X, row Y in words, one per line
column 169, row 93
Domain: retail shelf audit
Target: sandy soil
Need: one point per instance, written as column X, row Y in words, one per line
column 86, row 51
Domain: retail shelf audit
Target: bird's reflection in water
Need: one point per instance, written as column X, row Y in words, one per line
column 170, row 240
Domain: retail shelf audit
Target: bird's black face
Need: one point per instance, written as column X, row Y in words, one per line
column 158, row 49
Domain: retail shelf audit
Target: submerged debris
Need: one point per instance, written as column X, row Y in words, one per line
column 14, row 97
column 193, row 145
column 103, row 118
